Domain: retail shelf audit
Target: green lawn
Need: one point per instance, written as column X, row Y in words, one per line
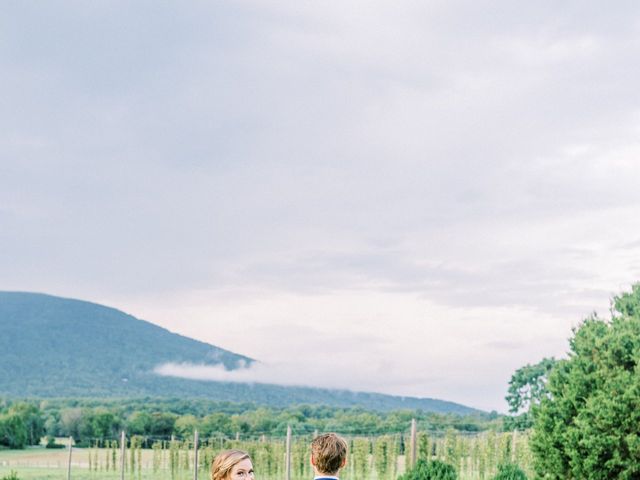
column 43, row 473
column 38, row 463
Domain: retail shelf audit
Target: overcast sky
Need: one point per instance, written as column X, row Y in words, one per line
column 408, row 197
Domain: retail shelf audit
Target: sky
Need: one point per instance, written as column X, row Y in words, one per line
column 408, row 197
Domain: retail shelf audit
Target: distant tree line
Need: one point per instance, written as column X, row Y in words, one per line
column 25, row 422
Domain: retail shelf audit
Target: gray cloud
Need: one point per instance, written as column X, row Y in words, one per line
column 474, row 155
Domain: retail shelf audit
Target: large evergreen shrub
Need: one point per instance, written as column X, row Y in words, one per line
column 587, row 425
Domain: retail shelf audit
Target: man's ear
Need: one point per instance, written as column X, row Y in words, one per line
column 344, row 462
column 313, row 460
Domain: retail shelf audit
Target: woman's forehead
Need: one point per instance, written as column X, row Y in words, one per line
column 246, row 464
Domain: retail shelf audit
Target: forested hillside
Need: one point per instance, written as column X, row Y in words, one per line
column 57, row 347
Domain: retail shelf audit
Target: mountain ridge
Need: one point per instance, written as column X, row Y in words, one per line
column 60, row 347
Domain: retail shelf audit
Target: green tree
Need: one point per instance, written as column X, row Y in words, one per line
column 216, row 424
column 33, row 421
column 587, row 428
column 162, row 424
column 104, row 423
column 527, row 387
column 139, row 423
column 186, row 425
column 71, row 420
column 13, row 431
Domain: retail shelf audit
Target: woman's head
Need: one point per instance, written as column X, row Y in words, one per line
column 232, row 465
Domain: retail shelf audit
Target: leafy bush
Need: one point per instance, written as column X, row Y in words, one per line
column 433, row 470
column 510, row 471
column 13, row 475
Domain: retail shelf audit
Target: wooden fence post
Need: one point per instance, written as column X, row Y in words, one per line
column 123, row 447
column 414, row 443
column 195, row 455
column 288, row 455
column 69, row 462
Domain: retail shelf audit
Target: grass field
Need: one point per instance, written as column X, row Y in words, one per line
column 35, row 473
column 38, row 463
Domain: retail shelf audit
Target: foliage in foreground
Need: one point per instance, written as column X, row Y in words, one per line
column 509, row 471
column 587, row 426
column 430, row 470
column 13, row 475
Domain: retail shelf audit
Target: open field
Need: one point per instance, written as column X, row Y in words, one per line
column 37, row 463
column 58, row 458
column 379, row 458
column 35, row 473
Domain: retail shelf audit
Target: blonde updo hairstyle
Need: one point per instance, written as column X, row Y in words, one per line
column 225, row 461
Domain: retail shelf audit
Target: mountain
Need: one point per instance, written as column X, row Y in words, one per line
column 59, row 347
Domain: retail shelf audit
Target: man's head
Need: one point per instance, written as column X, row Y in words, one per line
column 328, row 454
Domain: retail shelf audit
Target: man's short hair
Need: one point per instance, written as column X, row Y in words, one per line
column 329, row 452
